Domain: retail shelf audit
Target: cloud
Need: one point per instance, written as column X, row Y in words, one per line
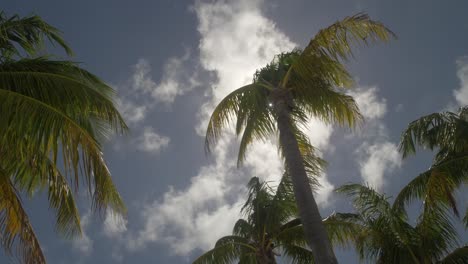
column 84, row 244
column 175, row 80
column 376, row 155
column 370, row 105
column 461, row 95
column 131, row 112
column 180, row 217
column 236, row 40
column 114, row 224
column 152, row 142
column 378, row 159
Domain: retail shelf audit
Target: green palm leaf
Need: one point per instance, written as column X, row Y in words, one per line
column 458, row 256
column 227, row 250
column 15, row 228
column 28, row 33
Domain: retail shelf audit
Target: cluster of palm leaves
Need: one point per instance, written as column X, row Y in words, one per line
column 270, row 229
column 278, row 103
column 380, row 231
column 284, row 94
column 53, row 116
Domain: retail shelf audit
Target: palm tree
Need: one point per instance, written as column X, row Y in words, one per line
column 271, row 229
column 53, row 116
column 447, row 132
column 293, row 87
column 385, row 236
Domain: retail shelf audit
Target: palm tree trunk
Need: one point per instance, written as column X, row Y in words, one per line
column 314, row 229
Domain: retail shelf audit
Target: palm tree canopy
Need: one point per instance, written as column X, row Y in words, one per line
column 285, row 94
column 310, row 75
column 387, row 237
column 270, row 223
column 446, row 132
column 54, row 115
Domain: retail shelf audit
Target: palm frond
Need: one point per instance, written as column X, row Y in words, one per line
column 337, row 40
column 254, row 120
column 322, row 55
column 36, row 172
column 15, row 228
column 446, row 130
column 367, row 201
column 327, row 105
column 458, row 256
column 27, row 33
column 225, row 112
column 298, row 254
column 65, row 86
column 242, row 228
column 226, row 250
column 436, row 185
column 343, row 228
column 43, row 129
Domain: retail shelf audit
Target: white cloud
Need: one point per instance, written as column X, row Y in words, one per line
column 84, row 244
column 461, row 95
column 236, row 40
column 370, row 105
column 150, row 141
column 376, row 155
column 180, row 218
column 114, row 224
column 131, row 112
column 175, row 80
column 378, row 159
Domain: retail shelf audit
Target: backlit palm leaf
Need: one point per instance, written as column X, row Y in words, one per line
column 15, row 228
column 448, row 133
column 54, row 114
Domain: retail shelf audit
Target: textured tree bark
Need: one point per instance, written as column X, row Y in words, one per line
column 314, row 229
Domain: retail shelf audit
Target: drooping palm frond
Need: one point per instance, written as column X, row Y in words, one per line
column 54, row 115
column 436, row 185
column 298, row 254
column 343, row 229
column 337, row 40
column 228, row 109
column 27, row 33
column 16, row 232
column 458, row 256
column 226, row 251
column 322, row 55
column 64, row 86
column 386, row 237
column 46, row 176
column 446, row 131
column 44, row 129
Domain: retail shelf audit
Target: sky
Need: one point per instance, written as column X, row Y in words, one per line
column 172, row 61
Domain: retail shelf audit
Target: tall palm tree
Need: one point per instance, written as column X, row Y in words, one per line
column 446, row 132
column 271, row 228
column 293, row 87
column 53, row 116
column 385, row 236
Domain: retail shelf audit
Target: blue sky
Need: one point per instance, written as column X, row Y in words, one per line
column 172, row 61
